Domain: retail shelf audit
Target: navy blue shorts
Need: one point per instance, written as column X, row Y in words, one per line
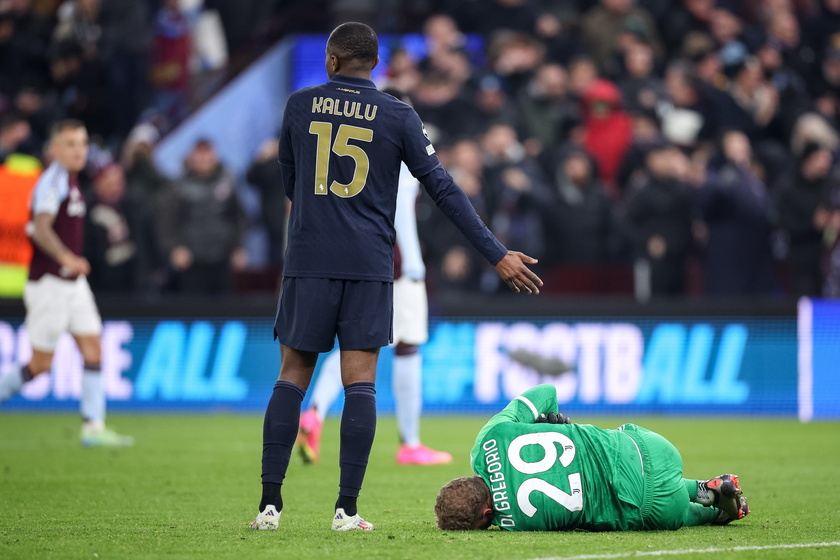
column 311, row 312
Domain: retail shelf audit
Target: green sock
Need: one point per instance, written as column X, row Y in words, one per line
column 691, row 487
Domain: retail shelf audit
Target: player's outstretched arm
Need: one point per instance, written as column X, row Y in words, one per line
column 516, row 275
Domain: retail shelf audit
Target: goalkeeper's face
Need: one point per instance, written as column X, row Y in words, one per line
column 463, row 505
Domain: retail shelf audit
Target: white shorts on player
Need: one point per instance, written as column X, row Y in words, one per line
column 55, row 306
column 411, row 312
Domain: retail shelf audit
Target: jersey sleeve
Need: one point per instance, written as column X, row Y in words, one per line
column 405, row 223
column 417, row 150
column 285, row 155
column 525, row 408
column 50, row 191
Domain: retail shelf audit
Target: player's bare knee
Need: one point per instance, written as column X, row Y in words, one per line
column 90, row 348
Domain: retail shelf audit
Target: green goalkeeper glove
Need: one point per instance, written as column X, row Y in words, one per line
column 552, row 418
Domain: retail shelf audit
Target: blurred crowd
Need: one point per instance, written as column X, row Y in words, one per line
column 647, row 147
column 111, row 63
column 131, row 70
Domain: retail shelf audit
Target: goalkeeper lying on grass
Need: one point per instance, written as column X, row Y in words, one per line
column 536, row 471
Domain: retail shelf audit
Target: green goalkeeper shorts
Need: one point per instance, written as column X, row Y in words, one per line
column 664, row 499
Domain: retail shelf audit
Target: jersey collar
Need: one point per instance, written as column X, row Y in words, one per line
column 357, row 82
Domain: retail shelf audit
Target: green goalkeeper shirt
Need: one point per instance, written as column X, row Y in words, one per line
column 557, row 477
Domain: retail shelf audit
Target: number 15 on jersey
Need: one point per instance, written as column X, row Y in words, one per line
column 341, row 147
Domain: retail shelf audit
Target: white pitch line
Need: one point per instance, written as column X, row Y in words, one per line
column 637, row 553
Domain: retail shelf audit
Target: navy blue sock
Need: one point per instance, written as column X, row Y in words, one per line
column 358, row 426
column 280, row 428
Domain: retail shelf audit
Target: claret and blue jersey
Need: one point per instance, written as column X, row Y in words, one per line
column 341, row 145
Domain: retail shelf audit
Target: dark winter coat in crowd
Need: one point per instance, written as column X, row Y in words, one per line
column 642, row 94
column 736, row 206
column 546, row 119
column 658, row 220
column 456, row 118
column 517, row 214
column 489, row 17
column 266, row 176
column 120, row 245
column 452, row 264
column 581, row 229
column 797, row 206
column 204, row 215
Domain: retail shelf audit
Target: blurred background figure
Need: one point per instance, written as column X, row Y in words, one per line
column 607, row 130
column 516, row 192
column 119, row 237
column 658, row 219
column 804, row 215
column 201, row 225
column 14, row 132
column 736, row 206
column 581, row 224
column 610, row 77
column 264, row 173
column 170, row 71
column 454, row 266
column 547, row 113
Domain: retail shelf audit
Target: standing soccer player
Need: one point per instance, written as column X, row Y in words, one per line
column 341, row 145
column 410, row 331
column 57, row 296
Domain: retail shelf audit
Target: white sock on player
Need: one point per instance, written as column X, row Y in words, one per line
column 328, row 385
column 93, row 397
column 10, row 383
column 408, row 395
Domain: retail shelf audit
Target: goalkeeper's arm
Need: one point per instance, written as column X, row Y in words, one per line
column 527, row 407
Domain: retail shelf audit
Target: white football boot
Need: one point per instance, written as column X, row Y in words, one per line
column 344, row 522
column 267, row 520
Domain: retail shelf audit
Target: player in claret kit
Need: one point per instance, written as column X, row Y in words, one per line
column 57, row 296
column 341, row 147
column 536, row 471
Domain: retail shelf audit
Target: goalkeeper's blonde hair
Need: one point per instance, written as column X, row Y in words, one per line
column 460, row 502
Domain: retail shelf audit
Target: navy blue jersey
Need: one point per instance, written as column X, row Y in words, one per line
column 341, row 144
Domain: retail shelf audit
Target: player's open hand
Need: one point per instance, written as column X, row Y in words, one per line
column 516, row 275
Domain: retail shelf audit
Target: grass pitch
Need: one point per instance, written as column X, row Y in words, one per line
column 191, row 484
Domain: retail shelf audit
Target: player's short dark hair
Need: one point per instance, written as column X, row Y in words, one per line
column 354, row 41
column 460, row 503
column 65, row 124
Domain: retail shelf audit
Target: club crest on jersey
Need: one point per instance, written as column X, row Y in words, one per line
column 76, row 204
